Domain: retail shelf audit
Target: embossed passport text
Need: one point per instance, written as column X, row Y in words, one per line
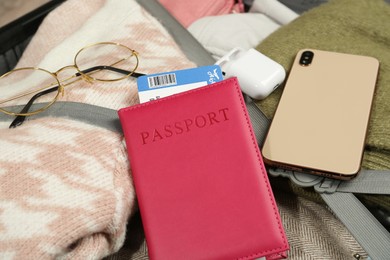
column 199, row 177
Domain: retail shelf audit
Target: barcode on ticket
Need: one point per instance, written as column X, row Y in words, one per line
column 162, row 80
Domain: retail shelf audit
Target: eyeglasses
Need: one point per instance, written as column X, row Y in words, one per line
column 103, row 61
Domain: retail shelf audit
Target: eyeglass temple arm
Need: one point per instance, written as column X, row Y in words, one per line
column 20, row 119
column 125, row 72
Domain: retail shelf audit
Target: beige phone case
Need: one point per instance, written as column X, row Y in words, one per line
column 321, row 121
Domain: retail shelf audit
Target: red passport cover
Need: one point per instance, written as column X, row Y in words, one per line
column 200, row 181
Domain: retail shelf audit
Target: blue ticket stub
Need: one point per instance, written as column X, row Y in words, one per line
column 160, row 85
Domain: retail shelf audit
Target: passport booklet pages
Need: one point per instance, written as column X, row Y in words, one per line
column 200, row 181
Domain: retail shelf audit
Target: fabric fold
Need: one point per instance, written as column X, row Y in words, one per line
column 66, row 190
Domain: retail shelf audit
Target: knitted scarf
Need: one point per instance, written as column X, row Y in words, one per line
column 65, row 186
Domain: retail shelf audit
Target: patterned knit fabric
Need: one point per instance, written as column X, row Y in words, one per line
column 65, row 186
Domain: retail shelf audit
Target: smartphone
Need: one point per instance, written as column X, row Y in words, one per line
column 320, row 124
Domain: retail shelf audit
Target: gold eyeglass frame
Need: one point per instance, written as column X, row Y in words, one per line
column 60, row 84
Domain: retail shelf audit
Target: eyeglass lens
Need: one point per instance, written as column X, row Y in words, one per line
column 101, row 61
column 106, row 54
column 18, row 87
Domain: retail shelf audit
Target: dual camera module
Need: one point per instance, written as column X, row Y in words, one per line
column 306, row 58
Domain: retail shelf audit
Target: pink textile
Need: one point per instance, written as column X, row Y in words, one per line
column 187, row 12
column 65, row 186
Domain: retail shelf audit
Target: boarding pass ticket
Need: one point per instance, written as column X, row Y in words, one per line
column 155, row 86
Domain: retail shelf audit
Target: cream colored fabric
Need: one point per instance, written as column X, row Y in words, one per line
column 219, row 34
column 65, row 186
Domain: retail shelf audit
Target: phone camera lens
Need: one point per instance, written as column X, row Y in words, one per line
column 306, row 58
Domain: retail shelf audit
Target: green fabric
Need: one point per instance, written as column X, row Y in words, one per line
column 348, row 26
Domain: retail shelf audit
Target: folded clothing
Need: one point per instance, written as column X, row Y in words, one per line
column 348, row 26
column 274, row 10
column 221, row 33
column 356, row 27
column 186, row 12
column 65, row 186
